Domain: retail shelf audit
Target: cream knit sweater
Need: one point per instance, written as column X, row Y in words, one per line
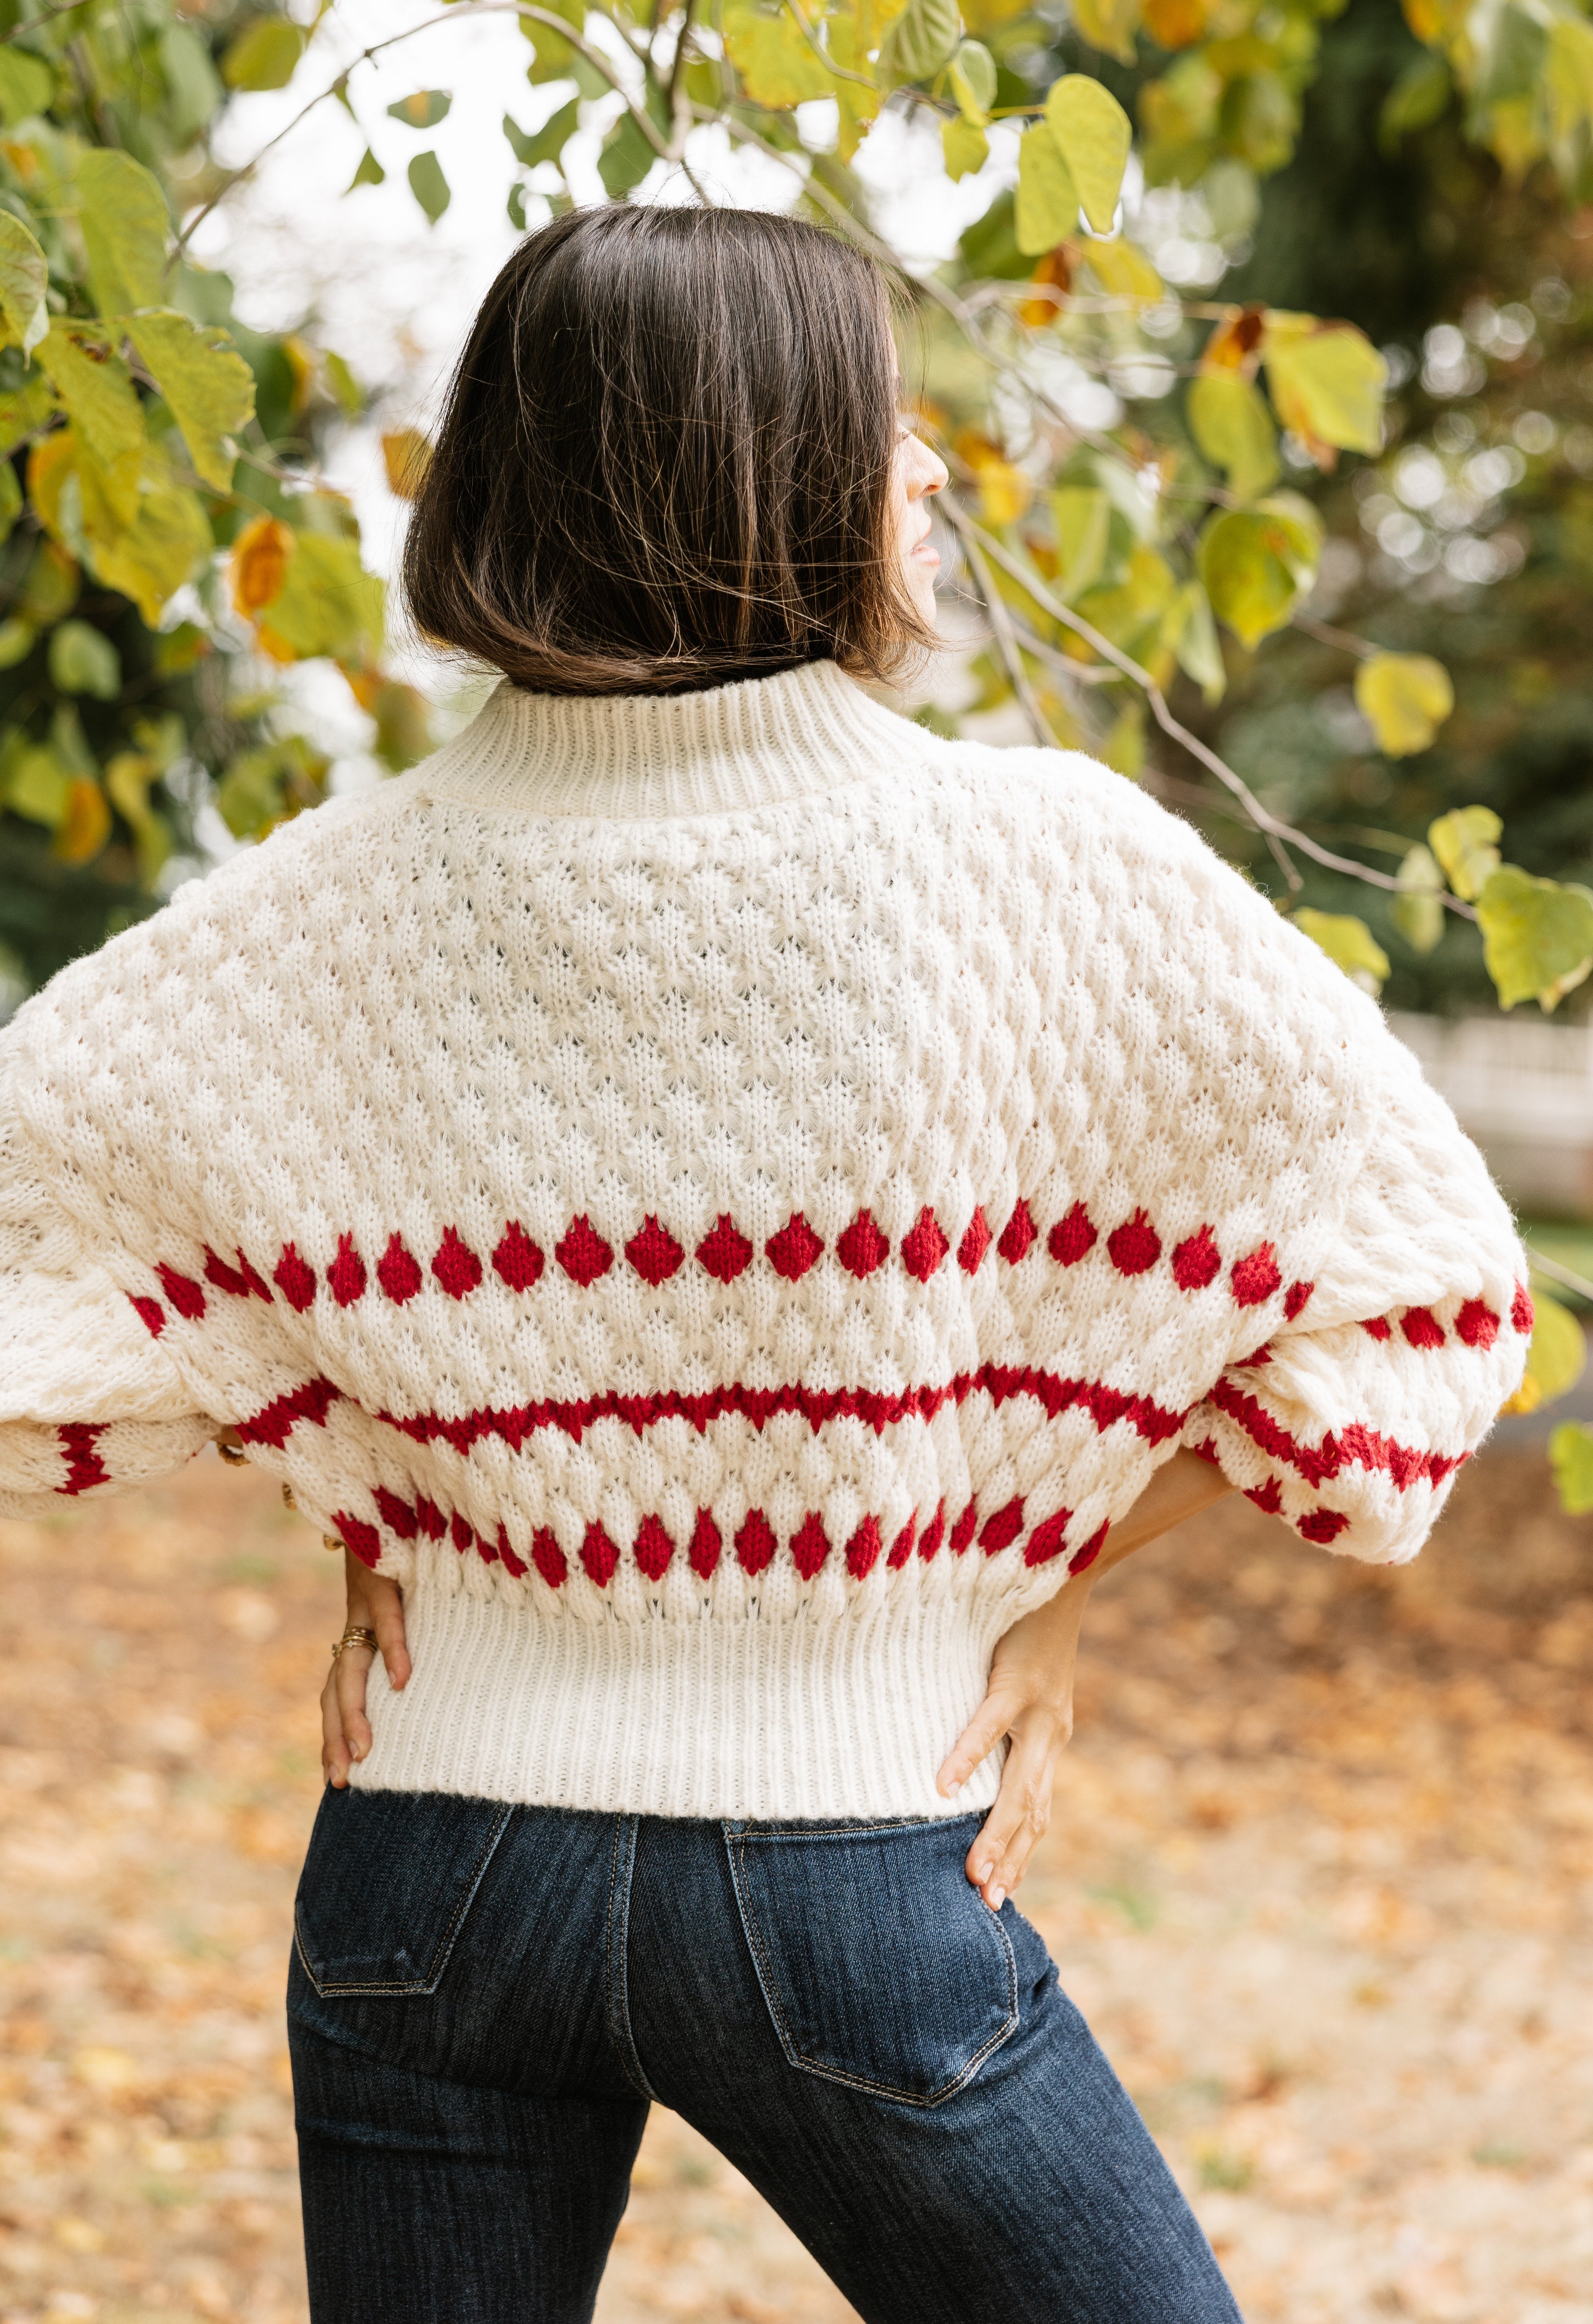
column 726, row 1198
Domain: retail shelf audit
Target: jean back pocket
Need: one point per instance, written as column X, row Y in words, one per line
column 386, row 1885
column 881, row 1965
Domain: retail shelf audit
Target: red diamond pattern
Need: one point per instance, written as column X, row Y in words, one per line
column 724, row 1250
column 794, row 1249
column 861, row 1248
column 582, row 1253
column 654, row 1253
column 924, row 1246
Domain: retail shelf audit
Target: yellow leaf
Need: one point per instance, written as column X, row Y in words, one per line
column 963, row 148
column 1082, row 517
column 1229, row 421
column 1047, row 207
column 124, row 220
column 1327, row 382
column 1464, row 844
column 23, row 276
column 205, row 385
column 1570, row 1456
column 406, row 456
column 1256, row 563
column 777, row 67
column 1404, row 699
column 1416, row 911
column 260, row 563
column 1556, row 1356
column 858, row 106
column 1004, row 492
column 86, row 826
column 98, row 393
column 1094, row 135
column 328, row 603
column 264, row 55
column 1123, row 271
column 922, row 38
column 1349, row 942
column 1537, row 937
column 972, row 76
column 1175, row 23
column 1108, row 25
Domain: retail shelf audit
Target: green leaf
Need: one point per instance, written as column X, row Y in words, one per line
column 972, row 76
column 1418, row 96
column 193, row 88
column 778, row 67
column 429, row 185
column 17, row 640
column 1537, row 937
column 1570, row 1456
column 1404, row 699
column 149, row 561
column 26, row 85
column 1327, row 382
column 40, row 787
column 1464, row 841
column 1082, row 517
column 350, row 395
column 424, row 110
column 921, row 38
column 546, row 144
column 100, row 397
column 26, row 410
column 125, row 220
column 1229, row 421
column 1108, row 25
column 208, row 388
column 1416, row 911
column 264, row 55
column 625, row 158
column 1094, row 135
column 1257, row 563
column 964, row 148
column 83, row 661
column 23, row 276
column 1191, row 631
column 368, row 173
column 328, row 603
column 1048, row 200
column 1349, row 942
column 1556, row 1356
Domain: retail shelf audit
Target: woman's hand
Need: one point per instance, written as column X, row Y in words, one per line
column 1029, row 1696
column 374, row 1603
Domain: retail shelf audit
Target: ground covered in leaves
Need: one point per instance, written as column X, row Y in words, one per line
column 1321, row 1875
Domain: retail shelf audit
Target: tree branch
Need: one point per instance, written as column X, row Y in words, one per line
column 1271, row 826
column 1006, row 642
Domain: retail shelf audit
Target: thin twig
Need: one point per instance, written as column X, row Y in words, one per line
column 1566, row 1276
column 1006, row 643
column 1270, row 825
column 863, row 80
column 1326, row 634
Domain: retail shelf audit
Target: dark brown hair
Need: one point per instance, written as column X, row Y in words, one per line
column 665, row 460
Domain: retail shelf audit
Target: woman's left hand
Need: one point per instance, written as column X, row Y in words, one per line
column 374, row 1603
column 1030, row 1699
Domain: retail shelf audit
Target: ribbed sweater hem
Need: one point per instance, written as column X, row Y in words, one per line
column 774, row 1721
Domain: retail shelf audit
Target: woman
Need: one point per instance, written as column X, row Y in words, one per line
column 735, row 1211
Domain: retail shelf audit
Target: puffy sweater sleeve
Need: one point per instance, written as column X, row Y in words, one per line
column 1354, row 1418
column 88, row 1399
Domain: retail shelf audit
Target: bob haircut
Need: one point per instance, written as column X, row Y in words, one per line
column 665, row 460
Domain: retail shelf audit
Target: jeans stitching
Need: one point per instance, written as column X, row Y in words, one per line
column 340, row 1989
column 804, row 2064
column 616, row 1951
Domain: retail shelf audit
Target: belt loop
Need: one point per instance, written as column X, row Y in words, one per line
column 618, row 1954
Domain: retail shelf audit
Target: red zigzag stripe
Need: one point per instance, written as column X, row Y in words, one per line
column 1355, row 1446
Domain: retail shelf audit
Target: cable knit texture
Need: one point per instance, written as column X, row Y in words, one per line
column 726, row 1198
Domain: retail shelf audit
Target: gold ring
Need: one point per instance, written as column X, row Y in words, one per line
column 355, row 1636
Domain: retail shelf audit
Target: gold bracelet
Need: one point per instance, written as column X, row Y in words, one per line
column 357, row 1635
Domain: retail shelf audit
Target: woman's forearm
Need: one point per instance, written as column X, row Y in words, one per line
column 1181, row 1488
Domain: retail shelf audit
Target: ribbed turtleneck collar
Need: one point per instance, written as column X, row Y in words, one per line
column 638, row 756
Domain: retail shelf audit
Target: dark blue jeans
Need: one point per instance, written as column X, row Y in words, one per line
column 484, row 2000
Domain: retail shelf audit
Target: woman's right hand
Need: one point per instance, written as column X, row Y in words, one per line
column 374, row 1603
